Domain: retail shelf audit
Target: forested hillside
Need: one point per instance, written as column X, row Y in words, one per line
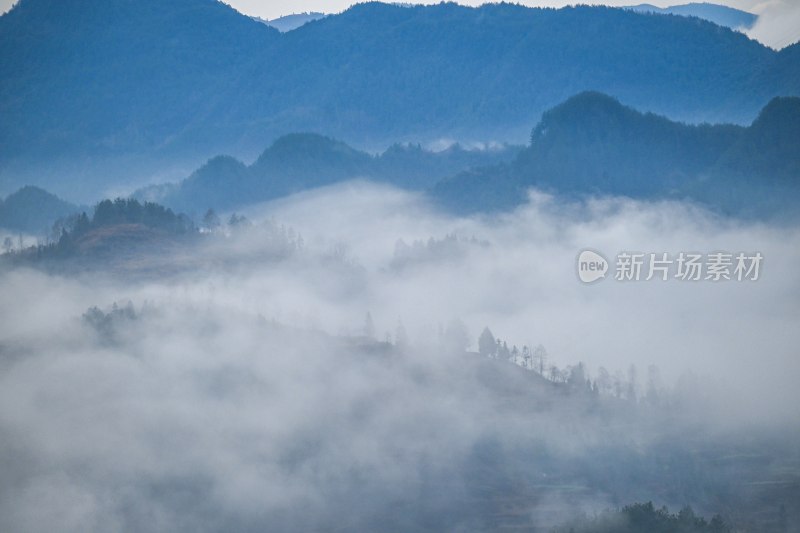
column 594, row 145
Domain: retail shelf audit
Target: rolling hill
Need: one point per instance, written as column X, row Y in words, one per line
column 292, row 22
column 303, row 161
column 594, row 145
column 33, row 210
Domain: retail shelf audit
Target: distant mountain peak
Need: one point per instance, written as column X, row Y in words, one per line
column 781, row 108
column 33, row 210
column 729, row 17
column 591, row 98
column 587, row 109
column 291, row 22
column 308, row 144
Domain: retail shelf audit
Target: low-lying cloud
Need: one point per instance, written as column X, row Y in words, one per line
column 241, row 393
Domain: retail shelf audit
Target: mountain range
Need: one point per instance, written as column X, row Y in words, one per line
column 98, row 93
column 303, row 161
column 735, row 19
column 590, row 145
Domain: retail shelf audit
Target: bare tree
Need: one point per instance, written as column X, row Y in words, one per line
column 540, row 358
column 527, row 357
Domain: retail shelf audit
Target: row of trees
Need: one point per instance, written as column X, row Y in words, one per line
column 646, row 518
column 530, row 358
column 212, row 222
column 535, row 359
column 455, row 337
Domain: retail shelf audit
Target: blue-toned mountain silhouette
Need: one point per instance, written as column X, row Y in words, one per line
column 594, row 145
column 590, row 144
column 33, row 210
column 95, row 91
column 302, row 161
column 292, row 22
column 735, row 19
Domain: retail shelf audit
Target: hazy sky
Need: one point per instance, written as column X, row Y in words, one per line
column 779, row 25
